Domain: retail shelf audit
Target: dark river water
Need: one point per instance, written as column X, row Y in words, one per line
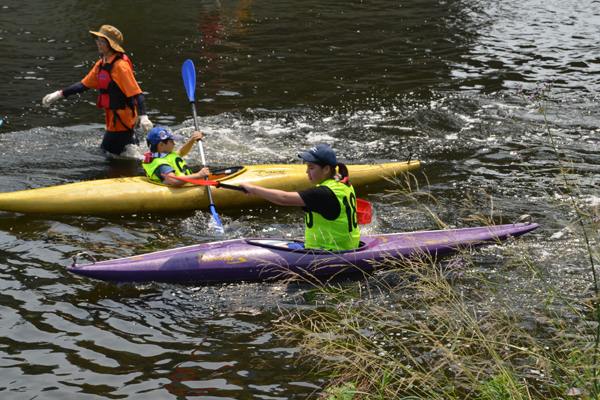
column 377, row 80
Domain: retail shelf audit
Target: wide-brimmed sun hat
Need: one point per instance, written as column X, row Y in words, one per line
column 113, row 35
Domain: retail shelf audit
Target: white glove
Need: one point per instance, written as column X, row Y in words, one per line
column 145, row 124
column 51, row 98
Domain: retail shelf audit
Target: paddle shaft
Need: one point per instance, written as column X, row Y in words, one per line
column 188, row 71
column 207, row 183
column 195, row 116
column 231, row 187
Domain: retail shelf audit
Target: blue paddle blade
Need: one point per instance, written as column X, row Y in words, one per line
column 1, row 122
column 189, row 78
column 218, row 225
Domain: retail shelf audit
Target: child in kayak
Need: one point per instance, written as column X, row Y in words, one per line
column 331, row 213
column 163, row 163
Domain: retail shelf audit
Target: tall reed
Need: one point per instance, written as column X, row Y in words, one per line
column 455, row 329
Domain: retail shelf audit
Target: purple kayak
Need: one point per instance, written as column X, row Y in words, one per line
column 266, row 258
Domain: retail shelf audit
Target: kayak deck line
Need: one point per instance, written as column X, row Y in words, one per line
column 256, row 259
column 139, row 194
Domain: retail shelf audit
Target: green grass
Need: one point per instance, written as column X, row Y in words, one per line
column 515, row 331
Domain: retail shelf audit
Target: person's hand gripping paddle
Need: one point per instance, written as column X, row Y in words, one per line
column 189, row 79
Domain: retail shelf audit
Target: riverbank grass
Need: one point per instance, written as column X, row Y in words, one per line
column 466, row 327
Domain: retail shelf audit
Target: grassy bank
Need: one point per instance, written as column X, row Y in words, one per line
column 466, row 327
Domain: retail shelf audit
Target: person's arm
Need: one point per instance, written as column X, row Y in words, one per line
column 59, row 94
column 189, row 144
column 203, row 173
column 276, row 196
column 171, row 180
column 74, row 89
column 89, row 82
column 144, row 121
column 123, row 77
column 140, row 100
column 166, row 173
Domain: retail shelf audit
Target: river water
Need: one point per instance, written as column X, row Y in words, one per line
column 377, row 80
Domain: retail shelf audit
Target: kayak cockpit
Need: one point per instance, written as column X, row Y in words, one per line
column 226, row 173
column 215, row 175
column 282, row 244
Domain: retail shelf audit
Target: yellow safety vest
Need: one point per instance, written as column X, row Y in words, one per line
column 173, row 159
column 341, row 233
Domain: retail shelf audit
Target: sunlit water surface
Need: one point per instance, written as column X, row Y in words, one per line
column 376, row 80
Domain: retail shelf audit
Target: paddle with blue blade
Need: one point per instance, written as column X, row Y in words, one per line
column 189, row 79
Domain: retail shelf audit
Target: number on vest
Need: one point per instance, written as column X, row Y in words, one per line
column 182, row 167
column 351, row 212
column 308, row 219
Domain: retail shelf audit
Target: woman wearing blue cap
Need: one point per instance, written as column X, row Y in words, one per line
column 331, row 214
column 163, row 163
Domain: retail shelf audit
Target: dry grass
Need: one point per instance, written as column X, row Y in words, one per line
column 458, row 331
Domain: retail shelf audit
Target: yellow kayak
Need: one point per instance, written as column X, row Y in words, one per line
column 138, row 194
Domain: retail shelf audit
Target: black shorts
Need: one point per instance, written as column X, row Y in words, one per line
column 115, row 142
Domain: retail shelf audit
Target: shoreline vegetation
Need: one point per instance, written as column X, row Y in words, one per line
column 496, row 323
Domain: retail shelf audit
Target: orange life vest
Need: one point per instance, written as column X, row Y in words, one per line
column 111, row 96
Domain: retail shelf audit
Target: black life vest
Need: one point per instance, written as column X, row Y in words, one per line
column 111, row 96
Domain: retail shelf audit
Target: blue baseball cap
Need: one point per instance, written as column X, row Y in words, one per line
column 160, row 133
column 320, row 152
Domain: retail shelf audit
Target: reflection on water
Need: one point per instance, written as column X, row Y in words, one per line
column 376, row 80
column 273, row 56
column 519, row 43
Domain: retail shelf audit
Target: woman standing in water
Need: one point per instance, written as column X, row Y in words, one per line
column 119, row 94
column 331, row 221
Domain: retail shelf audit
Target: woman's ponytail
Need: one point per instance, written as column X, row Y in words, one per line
column 342, row 170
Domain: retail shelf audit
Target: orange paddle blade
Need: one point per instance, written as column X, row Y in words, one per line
column 364, row 212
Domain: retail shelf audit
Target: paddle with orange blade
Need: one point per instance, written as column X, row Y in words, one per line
column 363, row 212
column 363, row 207
column 211, row 183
